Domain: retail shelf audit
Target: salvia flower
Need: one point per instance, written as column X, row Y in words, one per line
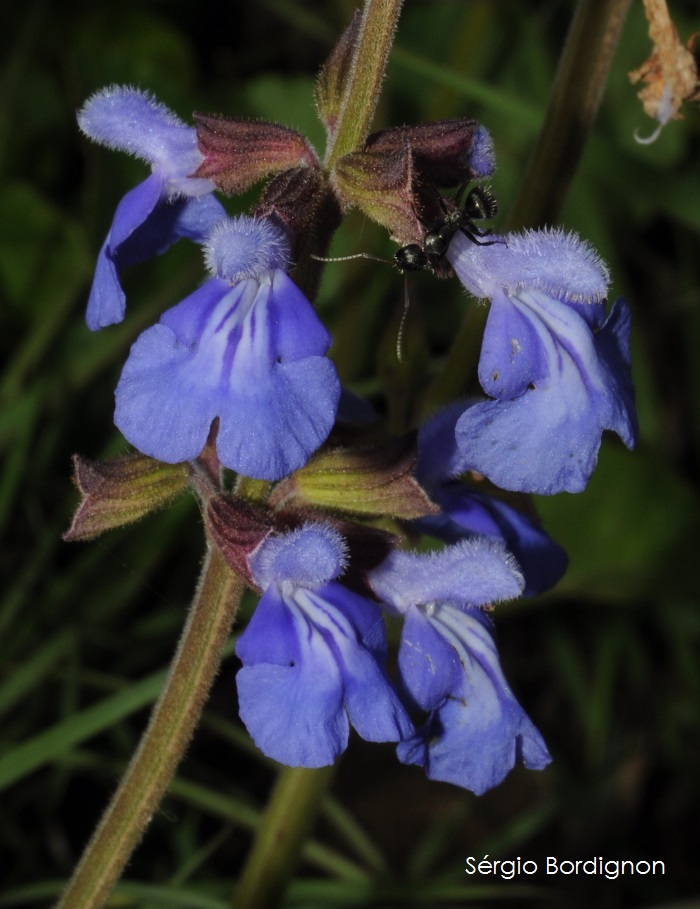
column 554, row 365
column 313, row 655
column 246, row 348
column 475, row 730
column 167, row 206
column 466, row 511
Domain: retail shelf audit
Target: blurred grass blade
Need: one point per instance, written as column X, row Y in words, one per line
column 28, row 676
column 56, row 741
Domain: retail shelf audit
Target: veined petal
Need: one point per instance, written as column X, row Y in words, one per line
column 429, row 666
column 475, row 735
column 249, row 354
column 308, row 672
column 547, row 439
column 292, row 709
column 164, row 404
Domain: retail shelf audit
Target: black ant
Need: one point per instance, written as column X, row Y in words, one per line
column 479, row 205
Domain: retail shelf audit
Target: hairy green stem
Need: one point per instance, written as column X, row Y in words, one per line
column 288, row 819
column 172, row 723
column 377, row 28
column 573, row 104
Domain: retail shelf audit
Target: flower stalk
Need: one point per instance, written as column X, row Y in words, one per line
column 286, row 824
column 573, row 104
column 163, row 744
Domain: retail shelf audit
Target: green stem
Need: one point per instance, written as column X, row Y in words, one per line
column 572, row 107
column 573, row 104
column 375, row 38
column 172, row 723
column 287, row 822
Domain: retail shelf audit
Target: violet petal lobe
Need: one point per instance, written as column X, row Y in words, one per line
column 475, row 735
column 290, row 690
column 134, row 122
column 107, row 301
column 546, row 440
column 466, row 512
column 473, row 572
column 168, row 205
column 251, row 355
column 144, row 226
column 298, row 695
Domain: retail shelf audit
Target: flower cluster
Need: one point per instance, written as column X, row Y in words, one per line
column 238, row 372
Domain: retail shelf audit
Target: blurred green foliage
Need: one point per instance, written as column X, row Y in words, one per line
column 607, row 665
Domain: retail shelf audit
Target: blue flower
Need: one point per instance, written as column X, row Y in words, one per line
column 467, row 511
column 246, row 347
column 554, row 365
column 313, row 656
column 168, row 205
column 475, row 730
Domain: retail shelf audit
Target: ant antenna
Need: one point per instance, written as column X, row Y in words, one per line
column 361, row 255
column 410, row 260
column 479, row 204
column 402, row 323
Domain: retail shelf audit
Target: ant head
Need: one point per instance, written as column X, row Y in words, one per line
column 481, row 204
column 410, row 258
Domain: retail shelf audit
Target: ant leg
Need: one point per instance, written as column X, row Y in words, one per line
column 474, row 235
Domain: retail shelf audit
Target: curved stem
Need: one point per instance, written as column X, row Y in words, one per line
column 172, row 722
column 287, row 822
column 377, row 28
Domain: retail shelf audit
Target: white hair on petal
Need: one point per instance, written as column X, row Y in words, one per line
column 245, row 247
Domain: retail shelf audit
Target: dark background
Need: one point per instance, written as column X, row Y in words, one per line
column 606, row 665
